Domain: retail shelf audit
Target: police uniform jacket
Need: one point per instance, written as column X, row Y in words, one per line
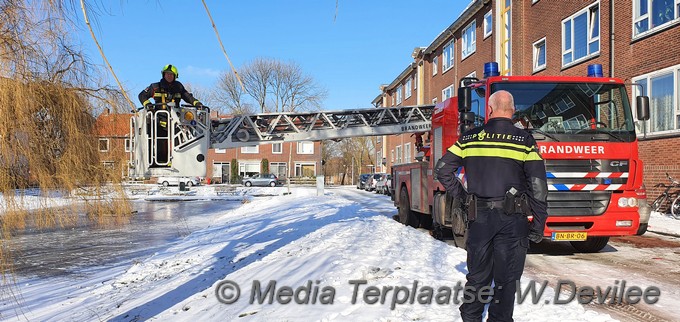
column 496, row 157
column 164, row 92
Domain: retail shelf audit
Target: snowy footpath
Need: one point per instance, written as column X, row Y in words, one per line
column 298, row 257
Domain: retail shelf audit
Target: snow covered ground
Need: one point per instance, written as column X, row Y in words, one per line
column 323, row 244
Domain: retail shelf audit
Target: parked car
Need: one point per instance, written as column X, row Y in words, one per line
column 372, row 182
column 261, row 179
column 383, row 185
column 361, row 183
column 174, row 181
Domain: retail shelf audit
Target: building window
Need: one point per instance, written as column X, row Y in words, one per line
column 469, row 40
column 533, row 1
column 305, row 169
column 488, row 24
column 407, row 152
column 280, row 169
column 539, row 55
column 472, row 75
column 400, row 89
column 447, row 92
column 407, row 94
column 305, row 147
column 447, row 56
column 128, row 145
column 250, row 149
column 220, row 151
column 399, row 154
column 662, row 87
column 434, row 100
column 392, row 154
column 581, row 35
column 103, row 145
column 247, row 169
column 434, row 65
column 654, row 15
column 277, row 148
column 109, row 164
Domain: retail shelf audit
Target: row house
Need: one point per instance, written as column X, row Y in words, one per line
column 113, row 134
column 294, row 159
column 285, row 159
column 632, row 40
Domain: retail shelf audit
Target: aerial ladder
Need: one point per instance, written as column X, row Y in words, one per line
column 174, row 140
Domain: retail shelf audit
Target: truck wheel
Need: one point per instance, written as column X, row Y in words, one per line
column 406, row 215
column 642, row 229
column 591, row 245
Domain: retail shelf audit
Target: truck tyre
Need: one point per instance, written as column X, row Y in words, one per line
column 591, row 245
column 406, row 215
column 642, row 229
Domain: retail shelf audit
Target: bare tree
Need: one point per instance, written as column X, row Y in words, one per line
column 256, row 78
column 293, row 90
column 231, row 95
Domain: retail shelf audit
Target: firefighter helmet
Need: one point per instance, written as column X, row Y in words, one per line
column 170, row 69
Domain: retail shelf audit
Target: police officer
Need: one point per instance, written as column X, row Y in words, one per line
column 501, row 162
column 167, row 90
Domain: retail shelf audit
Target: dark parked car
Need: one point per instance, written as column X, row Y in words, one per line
column 361, row 183
column 266, row 179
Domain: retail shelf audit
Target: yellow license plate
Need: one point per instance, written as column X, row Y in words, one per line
column 569, row 236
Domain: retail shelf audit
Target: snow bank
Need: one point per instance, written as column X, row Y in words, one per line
column 299, row 240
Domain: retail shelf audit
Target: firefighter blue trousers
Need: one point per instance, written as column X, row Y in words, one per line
column 496, row 246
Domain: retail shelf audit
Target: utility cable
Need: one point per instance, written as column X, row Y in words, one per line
column 222, row 45
column 87, row 22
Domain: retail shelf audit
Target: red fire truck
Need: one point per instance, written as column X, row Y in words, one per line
column 586, row 133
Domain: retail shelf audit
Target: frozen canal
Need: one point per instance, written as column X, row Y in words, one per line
column 60, row 252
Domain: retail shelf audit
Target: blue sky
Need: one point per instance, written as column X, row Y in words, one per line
column 369, row 43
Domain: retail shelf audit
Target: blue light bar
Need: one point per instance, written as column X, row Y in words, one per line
column 595, row 70
column 491, row 69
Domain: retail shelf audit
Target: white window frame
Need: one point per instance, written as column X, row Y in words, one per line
column 220, row 151
column 128, row 145
column 448, row 56
column 400, row 90
column 536, row 49
column 415, row 80
column 435, row 63
column 434, row 100
column 407, row 152
column 447, row 92
column 392, row 153
column 250, row 149
column 399, row 154
column 407, row 88
column 469, row 39
column 647, row 16
column 278, row 165
column 108, row 145
column 298, row 168
column 280, row 149
column 488, row 24
column 674, row 71
column 534, row 1
column 301, row 147
column 590, row 38
column 473, row 75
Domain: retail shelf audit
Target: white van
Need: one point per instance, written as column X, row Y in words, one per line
column 174, row 181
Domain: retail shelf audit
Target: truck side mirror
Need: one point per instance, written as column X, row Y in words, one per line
column 642, row 103
column 464, row 99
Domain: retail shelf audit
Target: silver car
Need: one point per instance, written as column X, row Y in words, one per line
column 266, row 179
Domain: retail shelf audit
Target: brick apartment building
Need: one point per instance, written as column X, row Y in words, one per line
column 634, row 40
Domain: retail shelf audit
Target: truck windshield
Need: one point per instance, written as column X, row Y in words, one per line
column 572, row 108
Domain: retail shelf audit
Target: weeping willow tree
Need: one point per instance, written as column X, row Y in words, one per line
column 49, row 98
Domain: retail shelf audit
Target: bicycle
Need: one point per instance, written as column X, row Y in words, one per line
column 666, row 196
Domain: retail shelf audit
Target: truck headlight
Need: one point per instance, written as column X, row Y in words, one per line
column 627, row 202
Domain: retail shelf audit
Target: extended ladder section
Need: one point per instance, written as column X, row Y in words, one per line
column 249, row 130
